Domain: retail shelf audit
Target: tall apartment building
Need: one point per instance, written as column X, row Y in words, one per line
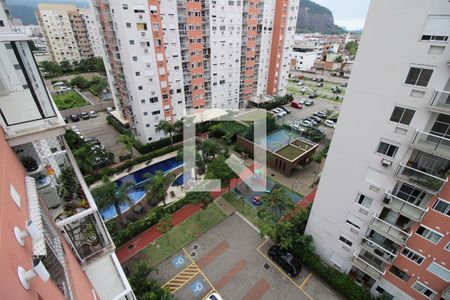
column 167, row 57
column 69, row 32
column 381, row 213
column 50, row 224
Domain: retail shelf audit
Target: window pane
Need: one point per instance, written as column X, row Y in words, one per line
column 413, row 75
column 391, row 150
column 424, row 77
column 397, row 114
column 383, row 148
column 407, row 116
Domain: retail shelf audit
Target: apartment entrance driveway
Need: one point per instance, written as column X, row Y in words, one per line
column 228, row 260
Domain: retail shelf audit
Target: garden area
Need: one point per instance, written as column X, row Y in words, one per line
column 68, row 100
column 53, row 69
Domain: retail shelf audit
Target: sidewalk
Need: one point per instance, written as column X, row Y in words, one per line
column 150, row 235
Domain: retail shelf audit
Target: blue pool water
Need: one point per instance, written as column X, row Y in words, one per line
column 137, row 191
column 279, row 139
column 179, row 180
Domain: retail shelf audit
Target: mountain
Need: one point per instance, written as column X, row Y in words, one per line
column 313, row 17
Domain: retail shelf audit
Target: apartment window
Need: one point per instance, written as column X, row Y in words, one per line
column 413, row 256
column 345, row 241
column 125, row 6
column 353, row 224
column 2, row 24
column 402, row 115
column 143, row 101
column 387, row 149
column 137, row 73
column 418, row 76
column 399, row 273
column 178, row 91
column 134, row 58
column 156, row 112
column 147, row 125
column 429, row 234
column 382, row 292
column 423, row 289
column 128, row 25
column 437, row 28
column 364, row 201
column 131, row 42
column 442, row 207
column 141, row 26
column 140, row 87
column 439, row 271
column 155, row 26
column 447, row 247
column 145, row 113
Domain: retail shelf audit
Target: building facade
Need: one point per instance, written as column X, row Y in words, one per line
column 43, row 192
column 165, row 58
column 71, row 33
column 381, row 213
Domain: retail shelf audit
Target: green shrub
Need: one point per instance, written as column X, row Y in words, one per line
column 68, row 100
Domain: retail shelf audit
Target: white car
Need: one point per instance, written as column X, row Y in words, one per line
column 302, row 101
column 301, row 82
column 214, row 296
column 281, row 114
column 306, row 123
column 74, row 128
column 276, row 110
column 330, row 123
column 92, row 114
column 59, row 83
column 304, row 89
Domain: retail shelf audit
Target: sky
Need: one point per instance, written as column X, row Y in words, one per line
column 347, row 13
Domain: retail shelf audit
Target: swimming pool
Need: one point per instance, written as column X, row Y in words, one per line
column 179, row 180
column 137, row 191
column 279, row 139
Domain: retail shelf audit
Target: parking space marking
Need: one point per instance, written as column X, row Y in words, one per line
column 201, row 272
column 258, row 290
column 181, row 278
column 300, row 287
column 231, row 273
column 213, row 254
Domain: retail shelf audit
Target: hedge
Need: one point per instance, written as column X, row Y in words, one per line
column 133, row 229
column 116, row 125
column 110, row 171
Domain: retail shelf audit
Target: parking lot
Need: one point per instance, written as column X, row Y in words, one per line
column 231, row 260
column 99, row 128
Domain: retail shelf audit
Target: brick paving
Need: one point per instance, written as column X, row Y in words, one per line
column 213, row 254
column 258, row 290
column 230, row 274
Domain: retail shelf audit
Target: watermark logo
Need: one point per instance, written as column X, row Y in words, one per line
column 253, row 177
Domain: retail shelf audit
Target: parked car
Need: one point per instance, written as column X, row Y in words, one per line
column 285, row 260
column 109, row 110
column 64, row 89
column 287, row 110
column 91, row 141
column 314, row 122
column 92, row 114
column 85, row 116
column 320, row 114
column 59, row 83
column 316, row 118
column 309, row 102
column 312, row 95
column 74, row 128
column 214, row 296
column 320, row 84
column 301, row 82
column 304, row 89
column 302, row 101
column 97, row 148
column 275, row 110
column 296, row 104
column 344, row 84
column 306, row 123
column 74, row 118
column 330, row 123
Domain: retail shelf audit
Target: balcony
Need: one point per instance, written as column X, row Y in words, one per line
column 389, row 230
column 415, row 176
column 431, row 143
column 369, row 265
column 404, row 207
column 440, row 102
column 386, row 252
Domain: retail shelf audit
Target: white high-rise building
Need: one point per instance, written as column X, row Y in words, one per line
column 381, row 213
column 164, row 58
column 71, row 33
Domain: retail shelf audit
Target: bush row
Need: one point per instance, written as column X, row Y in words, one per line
column 146, row 157
column 133, row 229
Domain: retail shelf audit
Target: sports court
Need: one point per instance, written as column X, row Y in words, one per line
column 278, row 139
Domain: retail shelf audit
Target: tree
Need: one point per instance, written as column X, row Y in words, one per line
column 339, row 59
column 107, row 194
column 50, row 67
column 165, row 224
column 211, row 148
column 66, row 67
column 80, row 82
column 218, row 169
column 199, row 198
column 84, row 159
column 277, row 202
column 200, row 166
column 128, row 141
column 146, row 288
column 169, row 128
column 352, row 47
column 157, row 187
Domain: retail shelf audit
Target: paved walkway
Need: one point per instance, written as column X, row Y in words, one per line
column 150, row 235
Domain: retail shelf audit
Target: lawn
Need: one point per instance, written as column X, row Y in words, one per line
column 179, row 236
column 69, row 100
column 243, row 207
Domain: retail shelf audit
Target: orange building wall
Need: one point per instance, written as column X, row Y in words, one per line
column 432, row 252
column 12, row 254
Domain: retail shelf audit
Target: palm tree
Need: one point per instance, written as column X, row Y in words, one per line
column 169, row 128
column 157, row 187
column 128, row 141
column 84, row 160
column 107, row 194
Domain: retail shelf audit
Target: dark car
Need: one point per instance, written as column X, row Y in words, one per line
column 74, row 118
column 316, row 118
column 285, row 260
column 309, row 102
column 320, row 114
column 287, row 110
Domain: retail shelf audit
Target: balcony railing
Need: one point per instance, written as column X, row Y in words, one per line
column 366, row 267
column 404, row 207
column 389, row 230
column 430, row 182
column 386, row 255
column 431, row 143
column 440, row 101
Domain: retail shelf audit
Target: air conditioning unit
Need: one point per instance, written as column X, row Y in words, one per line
column 150, row 79
column 143, row 33
column 145, row 50
column 386, row 163
column 387, row 199
column 140, row 16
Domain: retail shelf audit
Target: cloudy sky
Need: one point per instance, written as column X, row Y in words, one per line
column 347, row 13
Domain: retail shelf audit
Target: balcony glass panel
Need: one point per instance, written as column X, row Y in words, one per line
column 441, row 100
column 407, row 208
column 389, row 230
column 384, row 248
column 431, row 143
column 368, row 263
